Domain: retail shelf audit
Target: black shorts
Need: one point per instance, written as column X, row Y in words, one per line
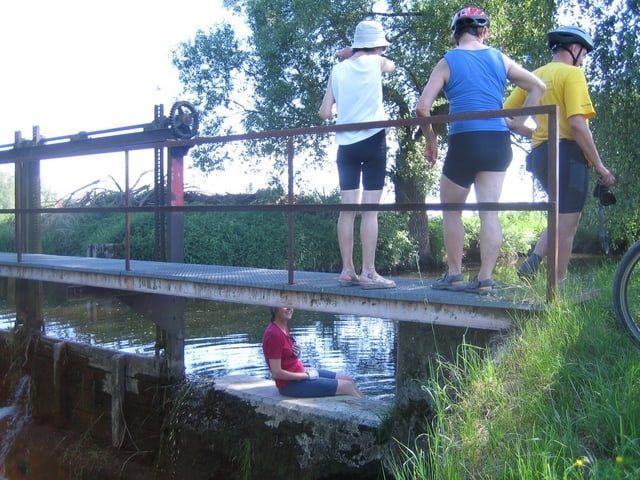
column 368, row 158
column 472, row 152
column 573, row 174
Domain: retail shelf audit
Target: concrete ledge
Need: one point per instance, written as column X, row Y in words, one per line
column 263, row 395
column 241, row 424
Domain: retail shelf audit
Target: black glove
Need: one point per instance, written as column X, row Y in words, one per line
column 604, row 195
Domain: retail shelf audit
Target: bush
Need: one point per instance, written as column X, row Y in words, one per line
column 7, row 233
column 556, row 398
column 520, row 231
column 396, row 250
column 436, row 236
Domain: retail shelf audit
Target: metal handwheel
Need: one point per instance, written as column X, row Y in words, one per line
column 183, row 120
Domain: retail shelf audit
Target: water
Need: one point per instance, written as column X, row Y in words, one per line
column 12, row 418
column 225, row 339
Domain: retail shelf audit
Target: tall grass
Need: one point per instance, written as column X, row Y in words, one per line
column 558, row 399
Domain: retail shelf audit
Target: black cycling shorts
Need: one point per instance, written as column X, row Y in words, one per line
column 368, row 158
column 573, row 174
column 472, row 152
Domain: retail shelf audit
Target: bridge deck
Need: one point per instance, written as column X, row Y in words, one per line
column 412, row 300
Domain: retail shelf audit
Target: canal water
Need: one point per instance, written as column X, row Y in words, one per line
column 225, row 339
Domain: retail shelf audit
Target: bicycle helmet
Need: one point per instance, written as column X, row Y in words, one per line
column 469, row 17
column 568, row 35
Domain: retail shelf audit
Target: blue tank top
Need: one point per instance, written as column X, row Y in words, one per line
column 476, row 83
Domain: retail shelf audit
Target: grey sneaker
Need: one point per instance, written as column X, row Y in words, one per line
column 530, row 266
column 481, row 287
column 449, row 282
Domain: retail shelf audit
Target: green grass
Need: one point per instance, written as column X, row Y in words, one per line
column 558, row 399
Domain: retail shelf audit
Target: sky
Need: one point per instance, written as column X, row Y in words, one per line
column 75, row 65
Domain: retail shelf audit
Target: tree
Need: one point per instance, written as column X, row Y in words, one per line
column 275, row 76
column 7, row 191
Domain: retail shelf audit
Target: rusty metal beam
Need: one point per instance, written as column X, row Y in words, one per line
column 87, row 146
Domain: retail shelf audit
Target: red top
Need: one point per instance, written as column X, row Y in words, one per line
column 278, row 344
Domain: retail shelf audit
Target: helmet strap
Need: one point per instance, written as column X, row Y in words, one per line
column 574, row 58
column 579, row 54
column 577, row 57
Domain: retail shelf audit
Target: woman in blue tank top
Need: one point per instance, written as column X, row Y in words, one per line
column 473, row 77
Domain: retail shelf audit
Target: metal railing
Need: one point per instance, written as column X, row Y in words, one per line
column 36, row 150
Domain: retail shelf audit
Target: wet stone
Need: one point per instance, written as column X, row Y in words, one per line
column 242, row 424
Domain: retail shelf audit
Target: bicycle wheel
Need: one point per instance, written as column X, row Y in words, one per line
column 626, row 292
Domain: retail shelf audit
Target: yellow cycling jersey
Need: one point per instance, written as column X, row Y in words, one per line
column 567, row 88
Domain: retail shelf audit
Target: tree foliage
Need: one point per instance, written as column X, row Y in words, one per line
column 7, row 191
column 271, row 74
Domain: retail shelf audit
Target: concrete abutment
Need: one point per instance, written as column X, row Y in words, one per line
column 225, row 428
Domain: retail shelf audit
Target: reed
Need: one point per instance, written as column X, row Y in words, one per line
column 556, row 400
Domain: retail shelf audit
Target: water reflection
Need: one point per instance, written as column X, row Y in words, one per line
column 225, row 339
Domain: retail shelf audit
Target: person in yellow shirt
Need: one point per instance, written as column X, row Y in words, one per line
column 577, row 152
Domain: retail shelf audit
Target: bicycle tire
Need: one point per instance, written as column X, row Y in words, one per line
column 626, row 292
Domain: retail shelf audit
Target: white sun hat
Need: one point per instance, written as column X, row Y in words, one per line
column 369, row 34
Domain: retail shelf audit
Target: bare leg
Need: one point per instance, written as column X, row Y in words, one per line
column 346, row 222
column 453, row 228
column 346, row 386
column 369, row 232
column 488, row 186
column 567, row 228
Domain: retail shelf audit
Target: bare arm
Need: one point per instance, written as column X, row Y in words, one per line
column 516, row 100
column 275, row 365
column 327, row 109
column 583, row 136
column 387, row 65
column 432, row 89
column 526, row 80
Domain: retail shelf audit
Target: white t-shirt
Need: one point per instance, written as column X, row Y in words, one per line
column 357, row 89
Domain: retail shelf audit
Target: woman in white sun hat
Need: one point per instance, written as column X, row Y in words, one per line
column 354, row 93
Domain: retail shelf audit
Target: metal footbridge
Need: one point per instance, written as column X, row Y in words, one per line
column 412, row 300
column 159, row 287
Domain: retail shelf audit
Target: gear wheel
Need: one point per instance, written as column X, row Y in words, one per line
column 183, row 120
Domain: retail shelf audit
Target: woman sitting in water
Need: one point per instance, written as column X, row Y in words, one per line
column 283, row 359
